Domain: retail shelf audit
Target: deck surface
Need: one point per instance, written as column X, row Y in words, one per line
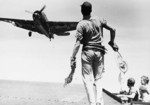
column 39, row 93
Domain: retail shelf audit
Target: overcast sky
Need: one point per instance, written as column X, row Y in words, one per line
column 38, row 59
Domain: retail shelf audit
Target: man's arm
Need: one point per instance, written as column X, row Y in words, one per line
column 73, row 57
column 127, row 97
column 112, row 32
column 73, row 63
column 112, row 36
column 76, row 49
column 131, row 96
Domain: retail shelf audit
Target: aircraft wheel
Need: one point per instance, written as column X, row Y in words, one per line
column 30, row 34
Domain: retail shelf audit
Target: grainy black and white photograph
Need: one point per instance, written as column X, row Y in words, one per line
column 74, row 52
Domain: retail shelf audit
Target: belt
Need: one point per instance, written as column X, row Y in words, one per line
column 95, row 49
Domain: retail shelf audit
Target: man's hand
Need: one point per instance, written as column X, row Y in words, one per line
column 68, row 80
column 73, row 66
column 113, row 45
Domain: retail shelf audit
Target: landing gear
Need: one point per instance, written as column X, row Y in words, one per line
column 51, row 36
column 30, row 33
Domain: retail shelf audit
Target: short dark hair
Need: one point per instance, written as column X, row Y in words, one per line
column 131, row 82
column 86, row 8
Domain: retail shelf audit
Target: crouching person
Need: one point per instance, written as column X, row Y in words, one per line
column 132, row 94
column 144, row 92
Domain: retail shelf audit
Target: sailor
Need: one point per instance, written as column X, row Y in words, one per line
column 89, row 33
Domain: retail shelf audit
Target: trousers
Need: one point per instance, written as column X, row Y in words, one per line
column 92, row 70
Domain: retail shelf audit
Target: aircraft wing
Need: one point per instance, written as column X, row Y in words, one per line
column 61, row 27
column 57, row 27
column 25, row 24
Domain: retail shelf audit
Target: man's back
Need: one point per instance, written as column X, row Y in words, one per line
column 91, row 32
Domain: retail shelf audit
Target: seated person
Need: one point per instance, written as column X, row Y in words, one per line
column 132, row 94
column 144, row 92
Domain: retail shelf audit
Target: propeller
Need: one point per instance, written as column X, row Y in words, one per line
column 28, row 12
column 39, row 11
column 43, row 8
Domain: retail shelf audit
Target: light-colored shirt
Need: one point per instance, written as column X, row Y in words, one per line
column 89, row 32
column 131, row 91
column 144, row 92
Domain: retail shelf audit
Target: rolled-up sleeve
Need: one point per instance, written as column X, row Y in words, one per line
column 79, row 32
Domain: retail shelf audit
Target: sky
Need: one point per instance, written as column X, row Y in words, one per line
column 37, row 58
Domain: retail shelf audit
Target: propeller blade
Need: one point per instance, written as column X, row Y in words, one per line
column 28, row 12
column 43, row 8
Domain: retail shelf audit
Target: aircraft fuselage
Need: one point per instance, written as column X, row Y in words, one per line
column 40, row 21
